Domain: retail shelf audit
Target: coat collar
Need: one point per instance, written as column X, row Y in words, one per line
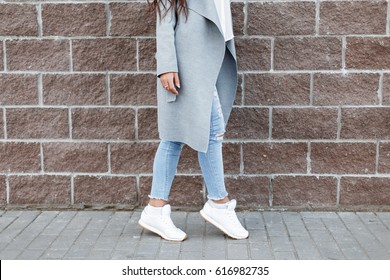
column 207, row 9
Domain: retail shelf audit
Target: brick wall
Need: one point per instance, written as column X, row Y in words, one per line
column 310, row 127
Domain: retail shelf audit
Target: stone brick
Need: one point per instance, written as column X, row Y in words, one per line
column 1, row 57
column 253, row 53
column 115, row 54
column 103, row 123
column 238, row 18
column 1, row 124
column 131, row 19
column 18, row 89
column 38, row 55
column 3, row 193
column 75, row 89
column 365, row 123
column 368, row 53
column 304, row 123
column 364, row 191
column 133, row 157
column 248, row 123
column 254, row 194
column 297, row 18
column 240, row 87
column 231, row 153
column 307, row 53
column 353, row 17
column 351, row 89
column 18, row 20
column 40, row 189
column 384, row 158
column 75, row 157
column 386, row 89
column 339, row 158
column 147, row 123
column 37, row 123
column 87, row 19
column 268, row 158
column 186, row 191
column 309, row 191
column 188, row 162
column 92, row 190
column 20, row 157
column 146, row 54
column 277, row 89
column 133, row 89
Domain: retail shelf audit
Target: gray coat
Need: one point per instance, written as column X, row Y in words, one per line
column 196, row 49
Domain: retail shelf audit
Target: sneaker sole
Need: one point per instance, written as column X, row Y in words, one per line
column 152, row 229
column 215, row 223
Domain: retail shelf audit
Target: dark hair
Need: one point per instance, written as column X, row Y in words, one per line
column 180, row 7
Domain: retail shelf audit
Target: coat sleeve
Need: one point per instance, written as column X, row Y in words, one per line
column 165, row 40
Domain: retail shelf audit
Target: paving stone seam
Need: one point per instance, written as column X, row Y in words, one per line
column 352, row 234
column 268, row 237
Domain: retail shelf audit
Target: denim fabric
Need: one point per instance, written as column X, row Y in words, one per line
column 211, row 162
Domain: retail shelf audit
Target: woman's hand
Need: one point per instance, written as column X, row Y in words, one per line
column 170, row 81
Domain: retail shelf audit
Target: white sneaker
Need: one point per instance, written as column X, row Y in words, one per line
column 225, row 219
column 158, row 220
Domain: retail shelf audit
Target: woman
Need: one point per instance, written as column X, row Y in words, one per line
column 196, row 87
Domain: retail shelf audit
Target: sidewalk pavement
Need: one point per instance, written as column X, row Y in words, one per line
column 102, row 235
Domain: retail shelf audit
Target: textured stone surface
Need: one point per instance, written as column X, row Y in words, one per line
column 19, row 157
column 18, row 20
column 253, row 53
column 78, row 85
column 185, row 191
column 38, row 55
column 265, row 158
column 75, row 157
column 146, row 54
column 132, row 157
column 304, row 123
column 188, row 162
column 74, row 19
column 247, row 123
column 365, row 123
column 249, row 191
column 353, row 17
column 103, row 123
column 105, row 190
column 309, row 53
column 114, row 54
column 3, row 193
column 364, row 191
column 351, row 89
column 386, row 89
column 147, row 123
column 39, row 189
column 368, row 53
column 238, row 18
column 131, row 19
column 76, row 89
column 277, row 89
column 231, row 153
column 339, row 158
column 384, row 158
column 18, row 89
column 308, row 191
column 1, row 57
column 133, row 89
column 297, row 18
column 37, row 123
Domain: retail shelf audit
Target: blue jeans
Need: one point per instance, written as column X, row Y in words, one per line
column 211, row 163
